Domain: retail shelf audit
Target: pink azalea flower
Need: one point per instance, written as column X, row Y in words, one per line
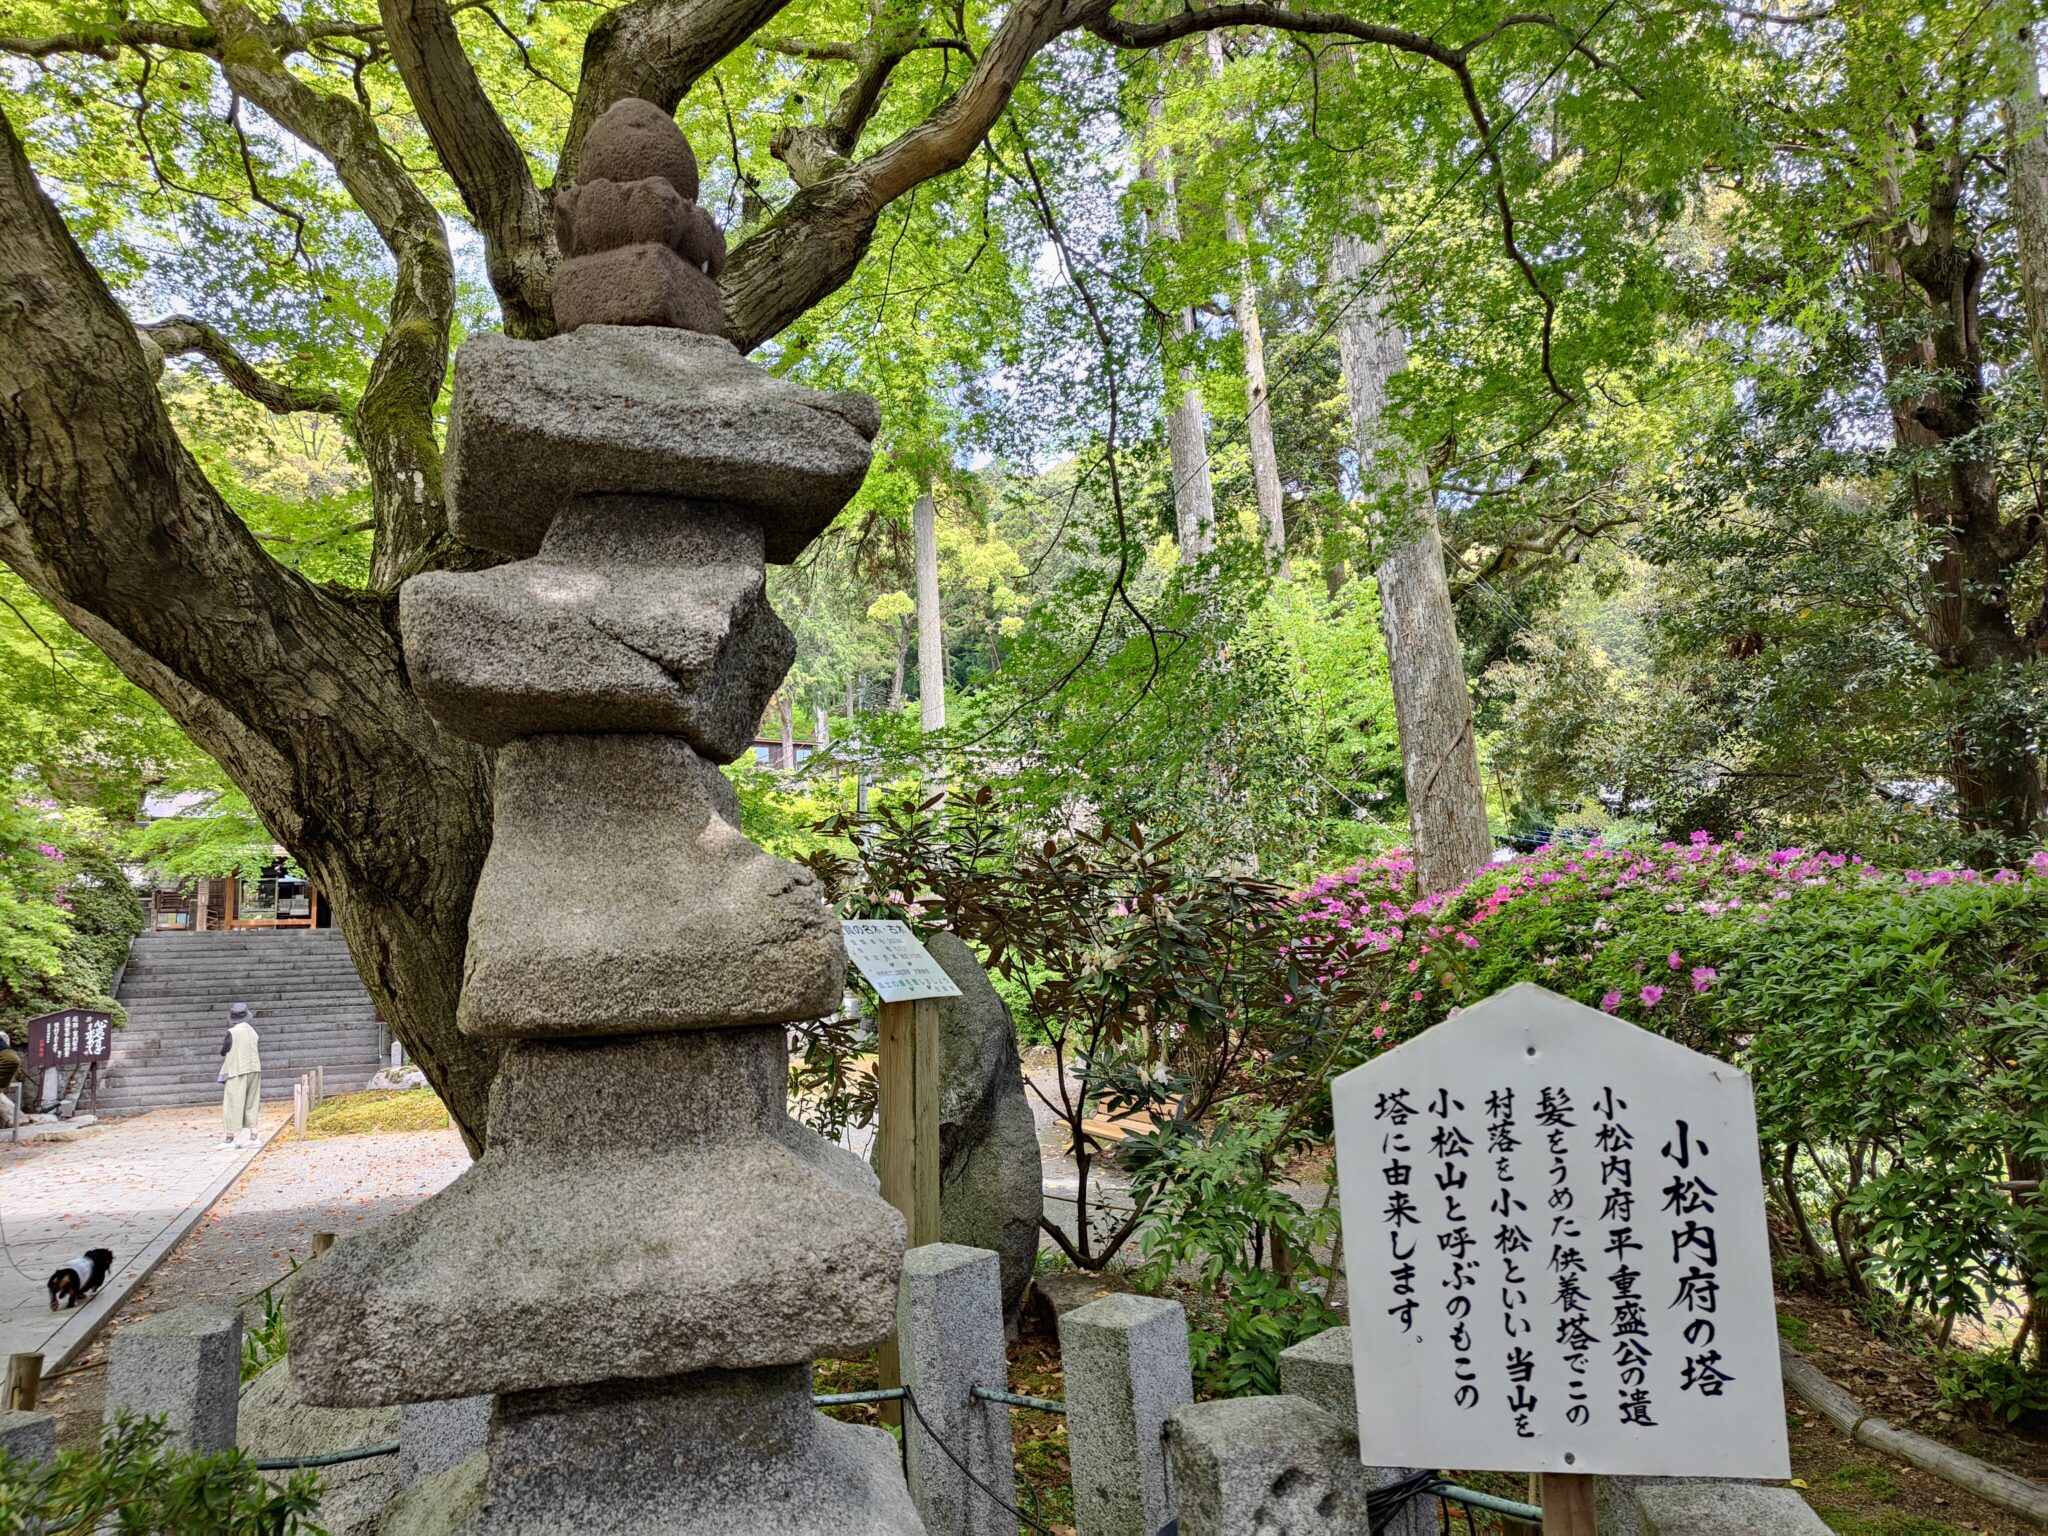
column 1610, row 1001
column 1676, row 960
column 1703, row 977
column 1652, row 996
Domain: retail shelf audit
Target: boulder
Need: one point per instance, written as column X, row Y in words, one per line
column 991, row 1181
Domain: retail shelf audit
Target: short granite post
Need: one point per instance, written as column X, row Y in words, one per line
column 1265, row 1464
column 1690, row 1508
column 949, row 1338
column 1126, row 1360
column 27, row 1436
column 432, row 1437
column 1321, row 1369
column 183, row 1366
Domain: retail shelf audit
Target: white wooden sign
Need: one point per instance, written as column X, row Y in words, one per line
column 895, row 964
column 1554, row 1245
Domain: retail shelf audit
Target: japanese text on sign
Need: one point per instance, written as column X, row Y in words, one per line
column 72, row 1035
column 895, row 964
column 1554, row 1236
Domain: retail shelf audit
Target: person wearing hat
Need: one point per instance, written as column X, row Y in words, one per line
column 241, row 1069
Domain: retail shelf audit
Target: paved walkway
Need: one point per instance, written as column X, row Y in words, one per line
column 133, row 1185
column 338, row 1184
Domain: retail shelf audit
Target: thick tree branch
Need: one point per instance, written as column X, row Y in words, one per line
column 815, row 242
column 284, row 37
column 181, row 335
column 298, row 692
column 656, row 49
column 814, row 152
column 395, row 422
column 484, row 160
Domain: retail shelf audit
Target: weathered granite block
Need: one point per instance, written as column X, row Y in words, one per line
column 183, row 1366
column 1127, row 1370
column 637, row 615
column 28, row 1436
column 1278, row 1466
column 1321, row 1369
column 432, row 1437
column 645, row 1208
column 620, row 898
column 949, row 1339
column 724, row 1453
column 641, row 411
column 1724, row 1509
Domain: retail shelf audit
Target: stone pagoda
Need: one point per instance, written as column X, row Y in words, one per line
column 650, row 1253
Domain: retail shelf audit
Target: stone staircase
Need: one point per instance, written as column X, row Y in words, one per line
column 307, row 1003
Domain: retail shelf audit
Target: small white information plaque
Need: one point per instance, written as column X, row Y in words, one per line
column 1554, row 1242
column 895, row 964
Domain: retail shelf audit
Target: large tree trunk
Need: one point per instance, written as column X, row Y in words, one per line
column 1432, row 704
column 2026, row 152
column 1187, row 439
column 299, row 691
column 1932, row 274
column 931, row 642
column 1258, row 412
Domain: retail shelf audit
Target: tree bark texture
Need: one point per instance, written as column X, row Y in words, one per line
column 1432, row 704
column 931, row 642
column 1187, row 436
column 2026, row 150
column 1258, row 409
column 1929, row 275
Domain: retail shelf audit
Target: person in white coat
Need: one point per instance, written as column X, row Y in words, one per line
column 241, row 1070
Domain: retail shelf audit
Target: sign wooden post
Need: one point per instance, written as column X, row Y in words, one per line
column 909, row 983
column 907, row 1111
column 24, row 1382
column 1555, row 1248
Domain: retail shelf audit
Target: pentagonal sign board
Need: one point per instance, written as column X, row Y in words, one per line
column 1555, row 1251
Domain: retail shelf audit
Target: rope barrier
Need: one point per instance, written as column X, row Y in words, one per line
column 910, row 1398
column 330, row 1459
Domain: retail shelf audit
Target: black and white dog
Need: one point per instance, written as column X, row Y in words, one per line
column 81, row 1279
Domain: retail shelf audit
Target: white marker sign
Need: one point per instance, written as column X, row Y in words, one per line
column 1554, row 1243
column 895, row 964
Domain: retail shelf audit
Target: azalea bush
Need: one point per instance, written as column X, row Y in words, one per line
column 1894, row 1023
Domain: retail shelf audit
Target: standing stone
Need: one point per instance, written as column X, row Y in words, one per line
column 1127, row 1370
column 183, row 1366
column 949, row 1340
column 1278, row 1466
column 643, row 1286
column 28, row 1436
column 1321, row 1369
column 991, row 1176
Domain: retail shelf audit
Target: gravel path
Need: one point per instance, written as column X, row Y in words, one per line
column 339, row 1184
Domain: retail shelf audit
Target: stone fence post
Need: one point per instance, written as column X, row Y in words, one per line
column 183, row 1366
column 1251, row 1464
column 1321, row 1369
column 28, row 1436
column 1126, row 1361
column 949, row 1340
